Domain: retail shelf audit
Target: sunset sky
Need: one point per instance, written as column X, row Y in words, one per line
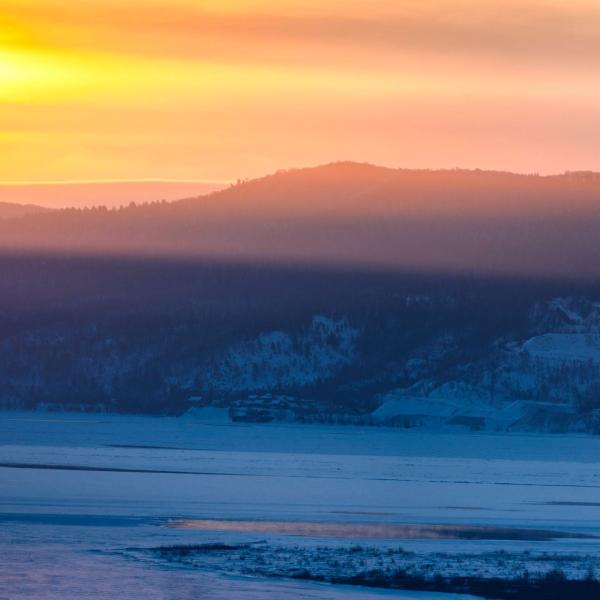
column 221, row 89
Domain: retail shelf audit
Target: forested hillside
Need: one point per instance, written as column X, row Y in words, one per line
column 352, row 214
column 344, row 292
column 382, row 347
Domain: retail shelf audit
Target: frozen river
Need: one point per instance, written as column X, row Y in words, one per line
column 88, row 501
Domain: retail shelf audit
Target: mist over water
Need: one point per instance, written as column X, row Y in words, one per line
column 281, row 500
column 375, row 531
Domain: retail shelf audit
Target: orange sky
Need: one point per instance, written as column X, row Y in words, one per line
column 221, row 89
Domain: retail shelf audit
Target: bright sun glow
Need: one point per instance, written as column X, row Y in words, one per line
column 35, row 77
column 221, row 89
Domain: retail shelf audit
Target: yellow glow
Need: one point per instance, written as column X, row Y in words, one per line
column 36, row 77
column 220, row 89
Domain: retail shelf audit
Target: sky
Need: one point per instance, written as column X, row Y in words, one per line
column 226, row 89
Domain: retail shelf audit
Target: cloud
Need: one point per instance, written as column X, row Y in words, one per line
column 532, row 32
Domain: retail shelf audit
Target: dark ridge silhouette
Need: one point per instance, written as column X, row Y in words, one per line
column 353, row 214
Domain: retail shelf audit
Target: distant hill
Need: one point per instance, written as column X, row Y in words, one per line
column 348, row 190
column 108, row 193
column 355, row 214
column 11, row 210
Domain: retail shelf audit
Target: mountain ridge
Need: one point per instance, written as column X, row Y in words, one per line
column 353, row 214
column 358, row 180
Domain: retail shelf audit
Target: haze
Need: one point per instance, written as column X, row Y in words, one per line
column 207, row 90
column 67, row 194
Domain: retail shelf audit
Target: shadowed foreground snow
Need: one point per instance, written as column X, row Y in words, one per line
column 88, row 501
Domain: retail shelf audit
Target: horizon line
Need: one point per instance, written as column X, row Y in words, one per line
column 112, row 181
column 232, row 181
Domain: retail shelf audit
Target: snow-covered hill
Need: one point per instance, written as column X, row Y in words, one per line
column 434, row 363
column 278, row 360
column 549, row 381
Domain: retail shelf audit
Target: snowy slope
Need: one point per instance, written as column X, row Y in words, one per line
column 396, row 370
column 278, row 360
column 564, row 347
column 549, row 381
